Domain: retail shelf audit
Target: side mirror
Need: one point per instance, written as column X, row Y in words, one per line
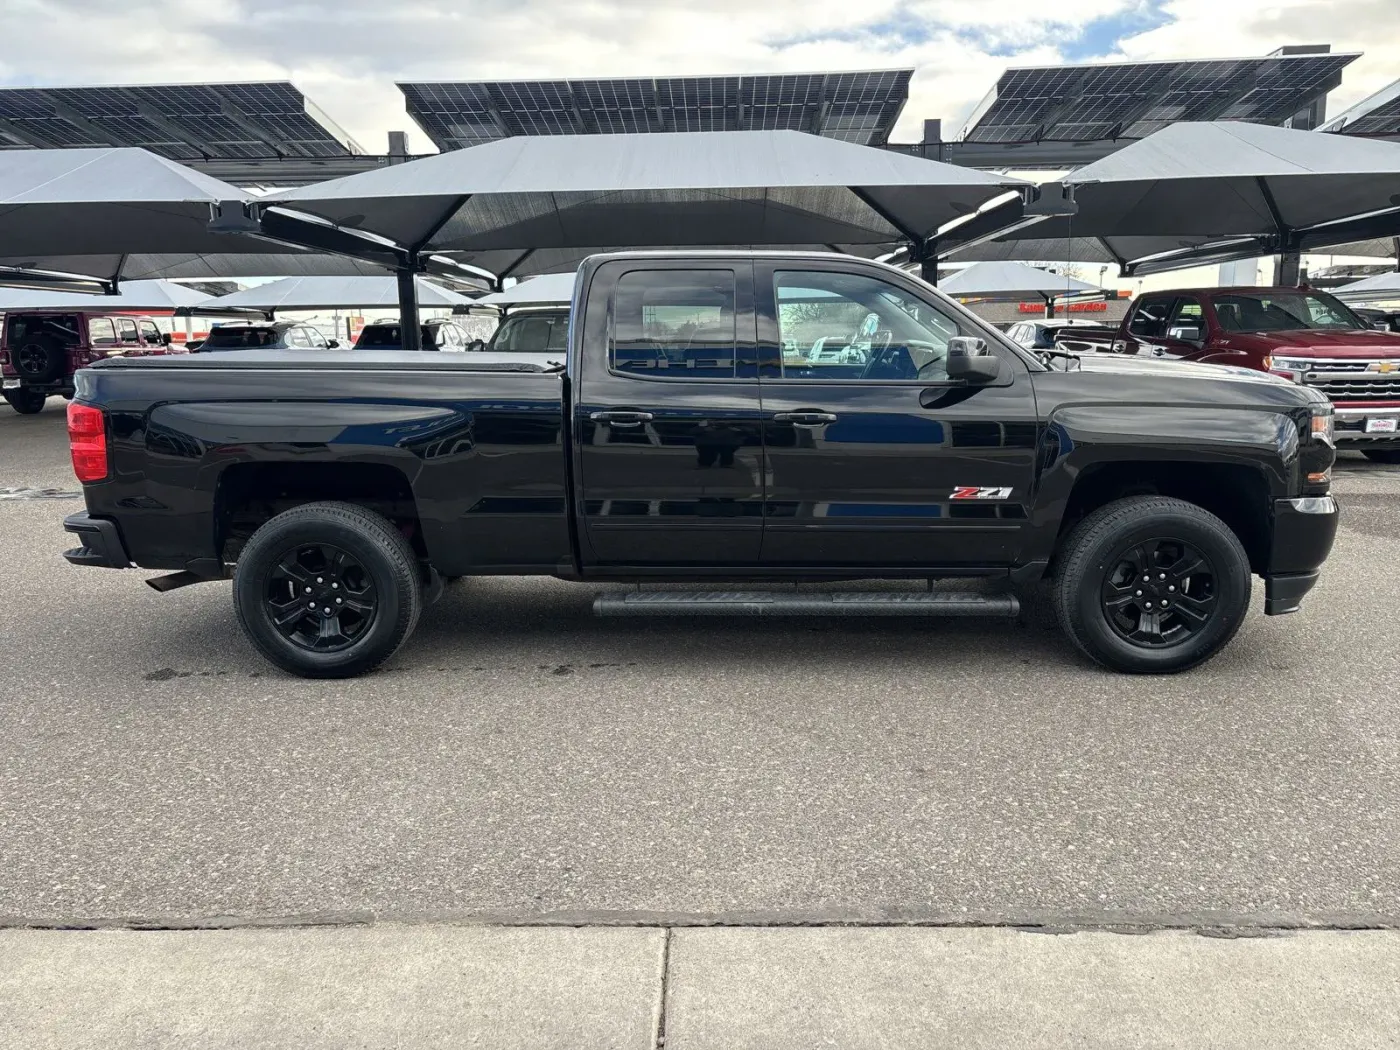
column 333, row 343
column 477, row 344
column 969, row 360
column 1185, row 333
column 165, row 339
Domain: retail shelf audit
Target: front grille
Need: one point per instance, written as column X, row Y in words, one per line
column 1381, row 388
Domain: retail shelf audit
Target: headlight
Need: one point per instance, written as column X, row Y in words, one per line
column 1322, row 416
column 1292, row 365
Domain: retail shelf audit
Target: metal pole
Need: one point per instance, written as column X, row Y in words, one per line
column 1286, row 267
column 410, row 336
column 1049, row 306
column 928, row 270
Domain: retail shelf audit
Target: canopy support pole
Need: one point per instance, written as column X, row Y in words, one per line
column 1287, row 269
column 410, row 337
column 1049, row 306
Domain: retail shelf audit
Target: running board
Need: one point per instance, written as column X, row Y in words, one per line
column 787, row 603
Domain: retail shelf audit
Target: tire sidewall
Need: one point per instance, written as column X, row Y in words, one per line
column 255, row 566
column 1232, row 580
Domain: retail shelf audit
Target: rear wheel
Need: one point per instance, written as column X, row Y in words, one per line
column 1382, row 455
column 1151, row 585
column 26, row 402
column 328, row 590
column 40, row 360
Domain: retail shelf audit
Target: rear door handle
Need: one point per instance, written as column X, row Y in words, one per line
column 805, row 418
column 621, row 419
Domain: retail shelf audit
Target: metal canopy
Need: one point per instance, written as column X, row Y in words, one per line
column 700, row 189
column 858, row 107
column 1230, row 190
column 551, row 288
column 330, row 293
column 1131, row 100
column 1011, row 280
column 1383, row 286
column 1377, row 115
column 135, row 296
column 180, row 121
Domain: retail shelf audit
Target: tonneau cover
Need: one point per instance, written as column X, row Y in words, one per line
column 347, row 360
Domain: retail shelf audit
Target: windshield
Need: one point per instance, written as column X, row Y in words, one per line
column 533, row 333
column 1283, row 312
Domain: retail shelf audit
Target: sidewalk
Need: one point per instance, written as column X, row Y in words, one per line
column 723, row 988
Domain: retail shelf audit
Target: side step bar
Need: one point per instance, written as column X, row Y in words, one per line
column 781, row 603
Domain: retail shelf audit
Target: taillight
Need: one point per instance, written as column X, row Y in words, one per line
column 87, row 441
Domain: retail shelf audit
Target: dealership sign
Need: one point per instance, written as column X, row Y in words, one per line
column 1095, row 307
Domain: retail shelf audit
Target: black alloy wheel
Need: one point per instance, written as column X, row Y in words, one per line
column 1151, row 585
column 1159, row 593
column 320, row 598
column 328, row 590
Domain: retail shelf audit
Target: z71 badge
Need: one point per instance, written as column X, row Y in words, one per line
column 973, row 492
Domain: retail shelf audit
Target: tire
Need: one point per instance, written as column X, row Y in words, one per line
column 296, row 550
column 1382, row 455
column 40, row 360
column 1097, row 567
column 26, row 402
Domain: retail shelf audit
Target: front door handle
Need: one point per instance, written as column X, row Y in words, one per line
column 621, row 419
column 805, row 418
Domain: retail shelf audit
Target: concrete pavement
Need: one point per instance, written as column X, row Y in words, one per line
column 722, row 989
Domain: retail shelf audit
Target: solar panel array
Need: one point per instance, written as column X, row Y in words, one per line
column 1377, row 115
column 185, row 122
column 853, row 107
column 1133, row 99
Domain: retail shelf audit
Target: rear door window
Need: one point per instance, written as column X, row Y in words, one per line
column 675, row 324
column 101, row 331
column 126, row 330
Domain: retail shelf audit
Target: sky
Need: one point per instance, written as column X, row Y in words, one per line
column 347, row 54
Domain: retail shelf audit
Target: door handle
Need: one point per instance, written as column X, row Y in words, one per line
column 806, row 418
column 621, row 419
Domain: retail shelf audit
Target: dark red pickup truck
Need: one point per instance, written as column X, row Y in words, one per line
column 1298, row 333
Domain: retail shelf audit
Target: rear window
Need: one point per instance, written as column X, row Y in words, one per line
column 389, row 337
column 239, row 338
column 22, row 328
column 531, row 333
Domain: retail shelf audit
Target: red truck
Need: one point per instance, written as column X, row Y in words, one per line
column 1302, row 334
column 42, row 349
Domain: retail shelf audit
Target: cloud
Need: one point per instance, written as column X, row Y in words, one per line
column 346, row 54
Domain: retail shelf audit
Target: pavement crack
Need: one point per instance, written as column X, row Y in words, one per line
column 660, row 1029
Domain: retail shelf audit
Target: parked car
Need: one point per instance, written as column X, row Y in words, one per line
column 42, row 349
column 1304, row 335
column 435, row 335
column 682, row 443
column 1041, row 333
column 530, row 330
column 269, row 335
column 1381, row 320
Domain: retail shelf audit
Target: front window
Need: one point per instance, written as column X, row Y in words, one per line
column 1286, row 311
column 847, row 326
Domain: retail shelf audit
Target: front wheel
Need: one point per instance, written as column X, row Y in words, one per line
column 1382, row 455
column 26, row 402
column 1151, row 585
column 327, row 590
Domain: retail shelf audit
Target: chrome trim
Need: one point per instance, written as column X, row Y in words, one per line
column 1363, row 413
column 1311, row 505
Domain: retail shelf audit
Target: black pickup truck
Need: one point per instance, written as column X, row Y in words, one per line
column 719, row 418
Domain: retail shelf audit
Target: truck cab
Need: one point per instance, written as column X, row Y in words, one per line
column 41, row 350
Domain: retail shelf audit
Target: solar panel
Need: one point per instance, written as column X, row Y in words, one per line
column 184, row 122
column 1379, row 114
column 856, row 107
column 1091, row 102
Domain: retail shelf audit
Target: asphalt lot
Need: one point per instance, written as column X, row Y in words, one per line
column 521, row 760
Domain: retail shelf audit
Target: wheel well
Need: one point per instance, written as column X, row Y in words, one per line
column 250, row 494
column 1237, row 495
